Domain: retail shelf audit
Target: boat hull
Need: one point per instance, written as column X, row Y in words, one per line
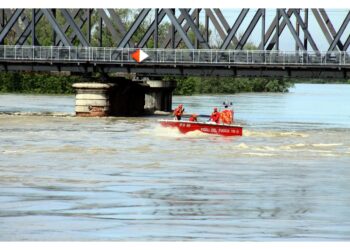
column 209, row 128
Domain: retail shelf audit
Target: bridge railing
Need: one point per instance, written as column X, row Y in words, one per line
column 171, row 56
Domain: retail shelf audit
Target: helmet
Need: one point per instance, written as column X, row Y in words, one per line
column 215, row 109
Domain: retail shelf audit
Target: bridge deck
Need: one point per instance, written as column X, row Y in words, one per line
column 177, row 61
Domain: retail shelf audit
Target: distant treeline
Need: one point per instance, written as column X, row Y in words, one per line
column 37, row 83
column 229, row 85
column 46, row 83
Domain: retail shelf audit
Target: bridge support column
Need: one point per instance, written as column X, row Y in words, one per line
column 92, row 99
column 158, row 95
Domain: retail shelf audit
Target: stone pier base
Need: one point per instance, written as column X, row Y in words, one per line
column 123, row 98
column 92, row 99
column 158, row 95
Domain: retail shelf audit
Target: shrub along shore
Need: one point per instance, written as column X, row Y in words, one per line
column 46, row 83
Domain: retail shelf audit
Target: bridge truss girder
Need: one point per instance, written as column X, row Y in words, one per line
column 170, row 28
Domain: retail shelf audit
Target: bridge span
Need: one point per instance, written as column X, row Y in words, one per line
column 177, row 62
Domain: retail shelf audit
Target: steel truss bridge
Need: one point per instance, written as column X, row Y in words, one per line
column 185, row 48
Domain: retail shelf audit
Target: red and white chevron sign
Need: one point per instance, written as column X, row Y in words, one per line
column 139, row 55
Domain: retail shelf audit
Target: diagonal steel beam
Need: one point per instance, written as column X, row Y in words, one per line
column 168, row 38
column 75, row 28
column 180, row 19
column 234, row 28
column 271, row 29
column 216, row 24
column 225, row 23
column 133, row 28
column 151, row 29
column 328, row 22
column 109, row 25
column 179, row 28
column 16, row 26
column 67, row 25
column 222, row 19
column 120, row 26
column 186, row 26
column 13, row 19
column 194, row 28
column 323, row 27
column 80, row 23
column 305, row 30
column 249, row 30
column 340, row 32
column 346, row 44
column 52, row 20
column 330, row 27
column 118, row 21
column 292, row 30
column 27, row 30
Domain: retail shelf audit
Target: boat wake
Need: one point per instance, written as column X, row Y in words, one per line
column 54, row 114
column 168, row 132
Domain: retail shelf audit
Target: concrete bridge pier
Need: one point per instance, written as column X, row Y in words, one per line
column 92, row 99
column 158, row 95
column 123, row 98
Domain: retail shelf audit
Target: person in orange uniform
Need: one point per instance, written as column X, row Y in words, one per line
column 215, row 116
column 193, row 118
column 178, row 112
column 226, row 115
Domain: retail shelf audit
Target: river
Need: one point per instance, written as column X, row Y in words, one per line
column 128, row 179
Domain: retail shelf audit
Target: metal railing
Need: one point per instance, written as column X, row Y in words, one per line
column 172, row 56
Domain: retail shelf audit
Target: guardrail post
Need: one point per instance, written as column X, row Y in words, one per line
column 15, row 52
column 4, row 52
column 104, row 54
column 340, row 58
column 69, row 57
column 175, row 55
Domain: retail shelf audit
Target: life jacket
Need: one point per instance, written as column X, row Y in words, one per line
column 178, row 111
column 193, row 119
column 215, row 116
column 226, row 116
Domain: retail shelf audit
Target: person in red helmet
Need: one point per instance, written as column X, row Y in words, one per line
column 193, row 118
column 215, row 116
column 178, row 112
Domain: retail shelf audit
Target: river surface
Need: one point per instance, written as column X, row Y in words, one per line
column 128, row 179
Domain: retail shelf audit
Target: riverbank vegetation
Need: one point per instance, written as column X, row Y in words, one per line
column 53, row 83
column 36, row 83
column 229, row 85
column 45, row 83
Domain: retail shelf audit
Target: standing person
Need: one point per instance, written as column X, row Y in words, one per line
column 215, row 116
column 226, row 115
column 178, row 112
